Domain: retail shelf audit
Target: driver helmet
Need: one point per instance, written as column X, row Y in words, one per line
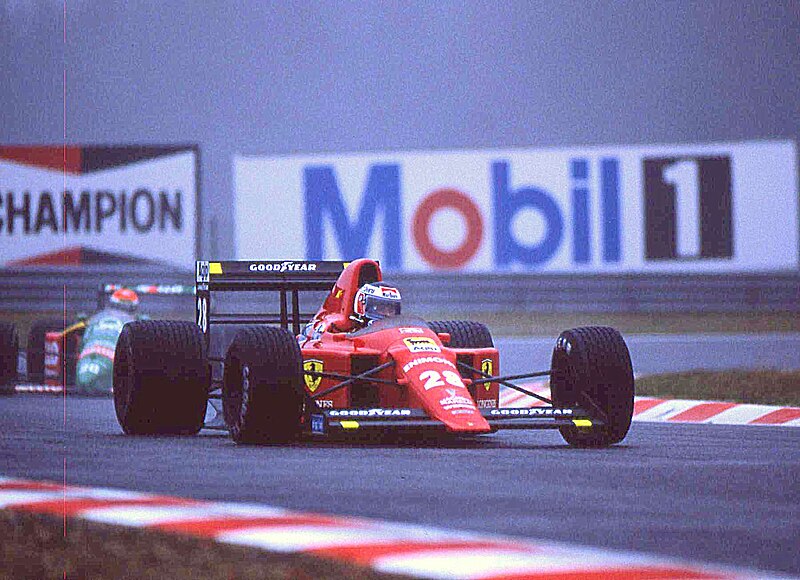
column 376, row 301
column 124, row 299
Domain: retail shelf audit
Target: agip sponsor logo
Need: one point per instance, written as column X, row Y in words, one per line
column 599, row 209
column 421, row 344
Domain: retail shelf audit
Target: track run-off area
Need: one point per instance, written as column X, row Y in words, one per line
column 719, row 494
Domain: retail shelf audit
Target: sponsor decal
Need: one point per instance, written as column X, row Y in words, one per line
column 534, row 412
column 487, row 404
column 129, row 203
column 370, row 413
column 410, row 330
column 109, row 324
column 421, row 344
column 390, row 292
column 51, row 347
column 454, row 401
column 203, row 273
column 318, row 424
column 99, row 350
column 325, row 403
column 425, row 360
column 695, row 208
column 283, row 267
column 312, row 365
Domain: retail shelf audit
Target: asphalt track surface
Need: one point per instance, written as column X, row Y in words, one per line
column 711, row 493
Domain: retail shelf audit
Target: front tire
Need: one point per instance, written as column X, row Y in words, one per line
column 161, row 378
column 262, row 394
column 9, row 355
column 591, row 368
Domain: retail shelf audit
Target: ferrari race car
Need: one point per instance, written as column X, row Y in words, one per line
column 275, row 381
column 81, row 354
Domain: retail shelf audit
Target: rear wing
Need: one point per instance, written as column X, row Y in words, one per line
column 106, row 290
column 287, row 277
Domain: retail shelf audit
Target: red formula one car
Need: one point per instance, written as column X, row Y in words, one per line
column 359, row 366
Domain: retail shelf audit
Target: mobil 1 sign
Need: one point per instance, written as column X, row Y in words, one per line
column 722, row 207
column 134, row 201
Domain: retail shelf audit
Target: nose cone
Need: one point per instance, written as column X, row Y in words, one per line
column 93, row 375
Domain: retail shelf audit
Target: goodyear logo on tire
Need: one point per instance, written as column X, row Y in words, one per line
column 312, row 365
column 487, row 368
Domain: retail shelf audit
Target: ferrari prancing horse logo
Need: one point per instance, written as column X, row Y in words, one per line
column 487, row 368
column 314, row 366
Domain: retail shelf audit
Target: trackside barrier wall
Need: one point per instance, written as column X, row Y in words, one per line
column 56, row 288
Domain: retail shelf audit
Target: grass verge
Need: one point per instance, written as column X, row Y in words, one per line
column 35, row 546
column 763, row 387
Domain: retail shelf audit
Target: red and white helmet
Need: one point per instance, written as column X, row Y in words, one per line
column 376, row 301
column 124, row 299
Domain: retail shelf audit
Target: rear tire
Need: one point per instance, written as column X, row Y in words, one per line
column 9, row 355
column 593, row 361
column 464, row 333
column 262, row 394
column 161, row 378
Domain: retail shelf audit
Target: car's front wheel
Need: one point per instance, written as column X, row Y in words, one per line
column 262, row 396
column 591, row 368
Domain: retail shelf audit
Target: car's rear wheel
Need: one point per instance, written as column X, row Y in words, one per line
column 9, row 354
column 262, row 386
column 161, row 378
column 464, row 333
column 591, row 369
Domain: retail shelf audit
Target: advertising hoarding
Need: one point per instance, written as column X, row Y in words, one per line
column 726, row 207
column 126, row 202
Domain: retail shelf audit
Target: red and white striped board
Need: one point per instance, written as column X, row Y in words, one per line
column 416, row 551
column 678, row 410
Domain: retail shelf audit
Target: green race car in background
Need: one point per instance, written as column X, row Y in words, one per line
column 84, row 349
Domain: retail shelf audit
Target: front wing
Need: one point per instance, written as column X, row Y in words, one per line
column 333, row 421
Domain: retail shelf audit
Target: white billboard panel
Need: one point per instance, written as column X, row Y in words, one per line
column 134, row 202
column 727, row 207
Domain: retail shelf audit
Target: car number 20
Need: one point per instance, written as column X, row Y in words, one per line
column 434, row 379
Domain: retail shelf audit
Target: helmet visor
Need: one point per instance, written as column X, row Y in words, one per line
column 378, row 307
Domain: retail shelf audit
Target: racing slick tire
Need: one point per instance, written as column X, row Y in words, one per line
column 591, row 369
column 9, row 353
column 161, row 378
column 464, row 333
column 262, row 394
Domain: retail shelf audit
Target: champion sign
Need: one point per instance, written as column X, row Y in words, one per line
column 615, row 209
column 133, row 201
